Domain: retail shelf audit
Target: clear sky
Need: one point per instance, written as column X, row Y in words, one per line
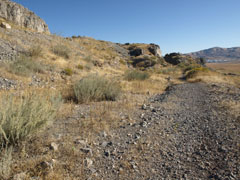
column 176, row 25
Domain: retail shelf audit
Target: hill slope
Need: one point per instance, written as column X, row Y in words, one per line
column 217, row 53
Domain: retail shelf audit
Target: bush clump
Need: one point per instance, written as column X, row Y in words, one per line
column 23, row 115
column 68, row 71
column 136, row 75
column 96, row 88
column 194, row 71
column 62, row 51
column 35, row 51
column 25, row 66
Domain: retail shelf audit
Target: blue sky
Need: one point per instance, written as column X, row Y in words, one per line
column 176, row 25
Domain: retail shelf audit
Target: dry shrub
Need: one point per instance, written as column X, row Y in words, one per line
column 61, row 50
column 193, row 72
column 96, row 88
column 24, row 114
column 35, row 51
column 136, row 75
column 5, row 163
column 25, row 66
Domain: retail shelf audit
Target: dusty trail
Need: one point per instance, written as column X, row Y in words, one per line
column 181, row 134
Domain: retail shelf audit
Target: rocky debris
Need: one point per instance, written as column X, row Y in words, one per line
column 7, row 84
column 7, row 51
column 5, row 25
column 181, row 134
column 21, row 16
column 120, row 50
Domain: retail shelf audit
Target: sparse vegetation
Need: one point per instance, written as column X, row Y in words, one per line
column 24, row 114
column 61, row 50
column 68, row 71
column 80, row 67
column 5, row 163
column 136, row 75
column 35, row 51
column 25, row 66
column 194, row 71
column 96, row 88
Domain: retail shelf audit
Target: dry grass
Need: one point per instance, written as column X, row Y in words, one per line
column 233, row 108
column 5, row 163
column 225, row 67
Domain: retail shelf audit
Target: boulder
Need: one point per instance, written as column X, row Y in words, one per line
column 155, row 50
column 5, row 25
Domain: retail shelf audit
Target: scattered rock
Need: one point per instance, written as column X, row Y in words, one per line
column 5, row 25
column 88, row 162
column 20, row 176
column 54, row 146
column 86, row 150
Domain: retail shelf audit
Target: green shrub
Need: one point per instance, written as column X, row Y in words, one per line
column 123, row 62
column 96, row 88
column 194, row 71
column 62, row 51
column 23, row 115
column 68, row 71
column 136, row 75
column 25, row 66
column 80, row 66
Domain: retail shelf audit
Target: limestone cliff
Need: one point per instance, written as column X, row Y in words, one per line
column 21, row 16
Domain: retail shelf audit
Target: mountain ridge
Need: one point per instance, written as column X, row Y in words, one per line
column 218, row 53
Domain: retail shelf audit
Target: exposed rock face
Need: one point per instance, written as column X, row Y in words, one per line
column 136, row 52
column 21, row 16
column 177, row 58
column 155, row 50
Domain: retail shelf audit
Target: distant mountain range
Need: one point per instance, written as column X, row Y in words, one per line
column 219, row 54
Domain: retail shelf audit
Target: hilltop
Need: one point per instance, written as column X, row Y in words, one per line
column 218, row 53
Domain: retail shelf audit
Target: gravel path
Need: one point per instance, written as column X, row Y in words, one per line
column 181, row 134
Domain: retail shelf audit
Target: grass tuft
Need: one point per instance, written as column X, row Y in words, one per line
column 136, row 75
column 61, row 50
column 96, row 88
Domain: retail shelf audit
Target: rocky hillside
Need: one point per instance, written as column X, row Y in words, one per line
column 217, row 53
column 21, row 16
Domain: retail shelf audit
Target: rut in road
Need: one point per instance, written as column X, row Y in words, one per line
column 181, row 134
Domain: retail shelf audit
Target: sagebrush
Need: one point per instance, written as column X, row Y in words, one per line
column 96, row 88
column 136, row 75
column 25, row 66
column 24, row 114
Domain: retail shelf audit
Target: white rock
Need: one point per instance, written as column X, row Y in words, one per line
column 5, row 25
column 54, row 146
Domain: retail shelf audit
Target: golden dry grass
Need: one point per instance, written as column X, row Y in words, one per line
column 225, row 67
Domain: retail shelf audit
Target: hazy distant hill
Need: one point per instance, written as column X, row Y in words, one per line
column 217, row 53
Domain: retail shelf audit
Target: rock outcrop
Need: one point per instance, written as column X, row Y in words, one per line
column 21, row 16
column 177, row 58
